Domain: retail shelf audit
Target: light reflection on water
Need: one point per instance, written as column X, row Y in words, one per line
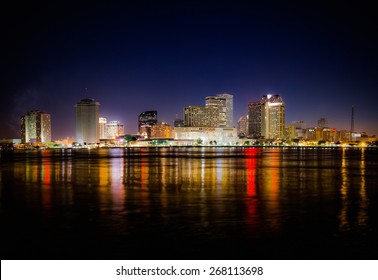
column 273, row 203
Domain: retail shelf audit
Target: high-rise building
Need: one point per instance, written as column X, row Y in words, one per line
column 300, row 129
column 102, row 127
column 267, row 117
column 36, row 127
column 145, row 121
column 322, row 123
column 255, row 119
column 219, row 103
column 87, row 121
column 201, row 116
column 289, row 132
column 229, row 108
column 224, row 102
column 243, row 126
column 114, row 129
column 274, row 117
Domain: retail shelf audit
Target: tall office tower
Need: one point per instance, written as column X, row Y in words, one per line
column 102, row 127
column 145, row 121
column 114, row 129
column 255, row 119
column 219, row 103
column 267, row 117
column 229, row 108
column 274, row 126
column 322, row 123
column 243, row 126
column 36, row 127
column 201, row 116
column 87, row 118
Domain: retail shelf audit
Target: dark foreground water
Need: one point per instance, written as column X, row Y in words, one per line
column 190, row 203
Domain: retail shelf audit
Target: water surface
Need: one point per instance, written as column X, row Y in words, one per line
column 190, row 203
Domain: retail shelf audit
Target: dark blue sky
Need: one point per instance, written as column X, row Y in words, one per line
column 163, row 55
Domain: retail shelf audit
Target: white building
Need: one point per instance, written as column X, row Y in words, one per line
column 114, row 129
column 207, row 135
column 87, row 117
column 102, row 127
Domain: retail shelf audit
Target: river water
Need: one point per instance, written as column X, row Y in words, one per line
column 190, row 203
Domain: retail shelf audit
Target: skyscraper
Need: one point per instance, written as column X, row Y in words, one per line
column 322, row 123
column 267, row 117
column 102, row 127
column 224, row 102
column 255, row 121
column 201, row 116
column 36, row 127
column 274, row 127
column 229, row 108
column 219, row 103
column 242, row 128
column 114, row 129
column 87, row 121
column 146, row 120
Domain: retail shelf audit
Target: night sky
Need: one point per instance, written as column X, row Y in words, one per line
column 134, row 56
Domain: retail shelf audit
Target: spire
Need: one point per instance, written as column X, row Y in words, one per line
column 352, row 124
column 352, row 121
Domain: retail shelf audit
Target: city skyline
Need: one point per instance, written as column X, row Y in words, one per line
column 265, row 120
column 136, row 57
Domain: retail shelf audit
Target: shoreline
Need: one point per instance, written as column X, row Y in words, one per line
column 201, row 147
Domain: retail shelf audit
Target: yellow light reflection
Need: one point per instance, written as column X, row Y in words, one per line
column 271, row 177
column 343, row 216
column 362, row 213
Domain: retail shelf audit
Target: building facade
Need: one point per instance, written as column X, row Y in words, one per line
column 145, row 121
column 229, row 108
column 114, row 129
column 102, row 127
column 219, row 103
column 201, row 116
column 161, row 130
column 274, row 117
column 322, row 122
column 267, row 117
column 255, row 119
column 207, row 135
column 178, row 122
column 300, row 129
column 87, row 121
column 242, row 128
column 224, row 103
column 36, row 127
